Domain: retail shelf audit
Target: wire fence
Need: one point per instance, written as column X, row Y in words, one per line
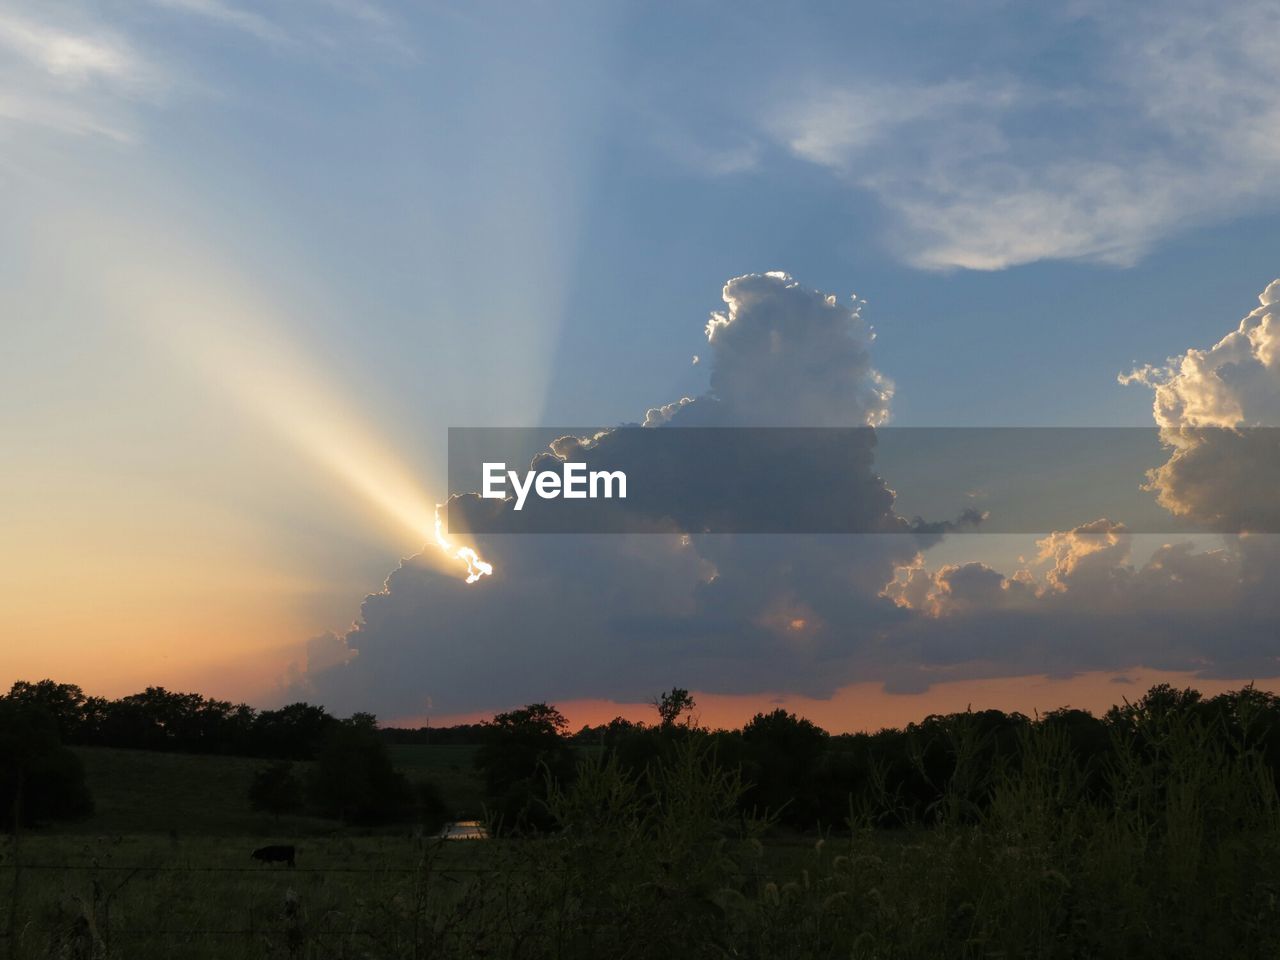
column 277, row 927
column 261, row 870
column 170, row 868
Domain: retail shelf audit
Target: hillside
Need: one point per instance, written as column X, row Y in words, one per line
column 143, row 791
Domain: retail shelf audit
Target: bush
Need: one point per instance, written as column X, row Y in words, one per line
column 433, row 812
column 522, row 750
column 276, row 790
column 40, row 779
column 354, row 780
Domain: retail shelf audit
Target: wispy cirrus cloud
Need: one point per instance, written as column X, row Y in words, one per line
column 1170, row 123
column 64, row 70
column 245, row 20
column 74, row 77
column 69, row 56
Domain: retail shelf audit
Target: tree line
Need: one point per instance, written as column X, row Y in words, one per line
column 943, row 768
column 793, row 772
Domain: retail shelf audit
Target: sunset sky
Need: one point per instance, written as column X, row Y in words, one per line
column 257, row 258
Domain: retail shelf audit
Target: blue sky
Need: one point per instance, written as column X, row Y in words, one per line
column 520, row 214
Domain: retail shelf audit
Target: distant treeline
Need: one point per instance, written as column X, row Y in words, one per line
column 792, row 769
column 944, row 767
column 160, row 719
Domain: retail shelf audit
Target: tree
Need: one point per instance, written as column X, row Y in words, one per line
column 433, row 812
column 64, row 702
column 674, row 704
column 295, row 731
column 39, row 778
column 354, row 779
column 521, row 749
column 276, row 790
column 782, row 750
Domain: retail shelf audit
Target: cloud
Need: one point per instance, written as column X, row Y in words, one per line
column 782, row 355
column 1208, row 404
column 573, row 616
column 565, row 617
column 74, row 78
column 841, row 127
column 1084, row 603
column 1089, row 568
column 1088, row 607
column 246, row 21
column 62, row 69
column 73, row 57
column 1167, row 124
column 321, row 653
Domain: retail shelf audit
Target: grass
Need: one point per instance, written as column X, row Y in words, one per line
column 144, row 896
column 1181, row 861
column 141, row 791
column 449, row 767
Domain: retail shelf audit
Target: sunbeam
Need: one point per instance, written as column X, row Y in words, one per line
column 210, row 323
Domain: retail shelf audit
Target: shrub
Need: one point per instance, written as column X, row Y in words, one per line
column 276, row 790
column 354, row 780
column 40, row 779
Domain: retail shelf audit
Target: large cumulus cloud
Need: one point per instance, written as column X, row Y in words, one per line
column 1217, row 409
column 571, row 616
column 566, row 617
column 1084, row 602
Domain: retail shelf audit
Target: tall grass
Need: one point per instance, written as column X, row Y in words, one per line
column 1169, row 848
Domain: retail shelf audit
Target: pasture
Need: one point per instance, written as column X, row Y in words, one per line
column 1180, row 860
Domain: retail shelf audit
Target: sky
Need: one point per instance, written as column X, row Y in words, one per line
column 256, row 259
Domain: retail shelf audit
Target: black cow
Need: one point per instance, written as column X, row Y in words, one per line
column 280, row 853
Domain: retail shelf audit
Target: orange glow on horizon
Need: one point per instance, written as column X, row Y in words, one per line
column 869, row 707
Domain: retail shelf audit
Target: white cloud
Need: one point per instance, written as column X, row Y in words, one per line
column 1216, row 472
column 782, row 355
column 74, row 78
column 1085, row 603
column 246, row 21
column 74, row 57
column 1173, row 124
column 619, row 615
column 839, row 126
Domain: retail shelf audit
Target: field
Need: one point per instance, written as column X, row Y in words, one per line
column 162, row 867
column 449, row 768
column 144, row 792
column 1183, row 865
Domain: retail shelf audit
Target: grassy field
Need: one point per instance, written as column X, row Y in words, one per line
column 147, row 895
column 1182, row 861
column 450, row 768
column 141, row 792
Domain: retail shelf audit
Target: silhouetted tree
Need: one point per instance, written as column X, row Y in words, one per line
column 521, row 749
column 63, row 702
column 433, row 812
column 674, row 704
column 781, row 752
column 353, row 779
column 295, row 731
column 40, row 779
column 276, row 790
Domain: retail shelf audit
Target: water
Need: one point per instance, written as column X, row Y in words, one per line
column 464, row 830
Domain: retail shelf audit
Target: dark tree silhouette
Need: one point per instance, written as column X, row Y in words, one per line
column 40, row 779
column 520, row 750
column 781, row 752
column 674, row 704
column 276, row 790
column 354, row 779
